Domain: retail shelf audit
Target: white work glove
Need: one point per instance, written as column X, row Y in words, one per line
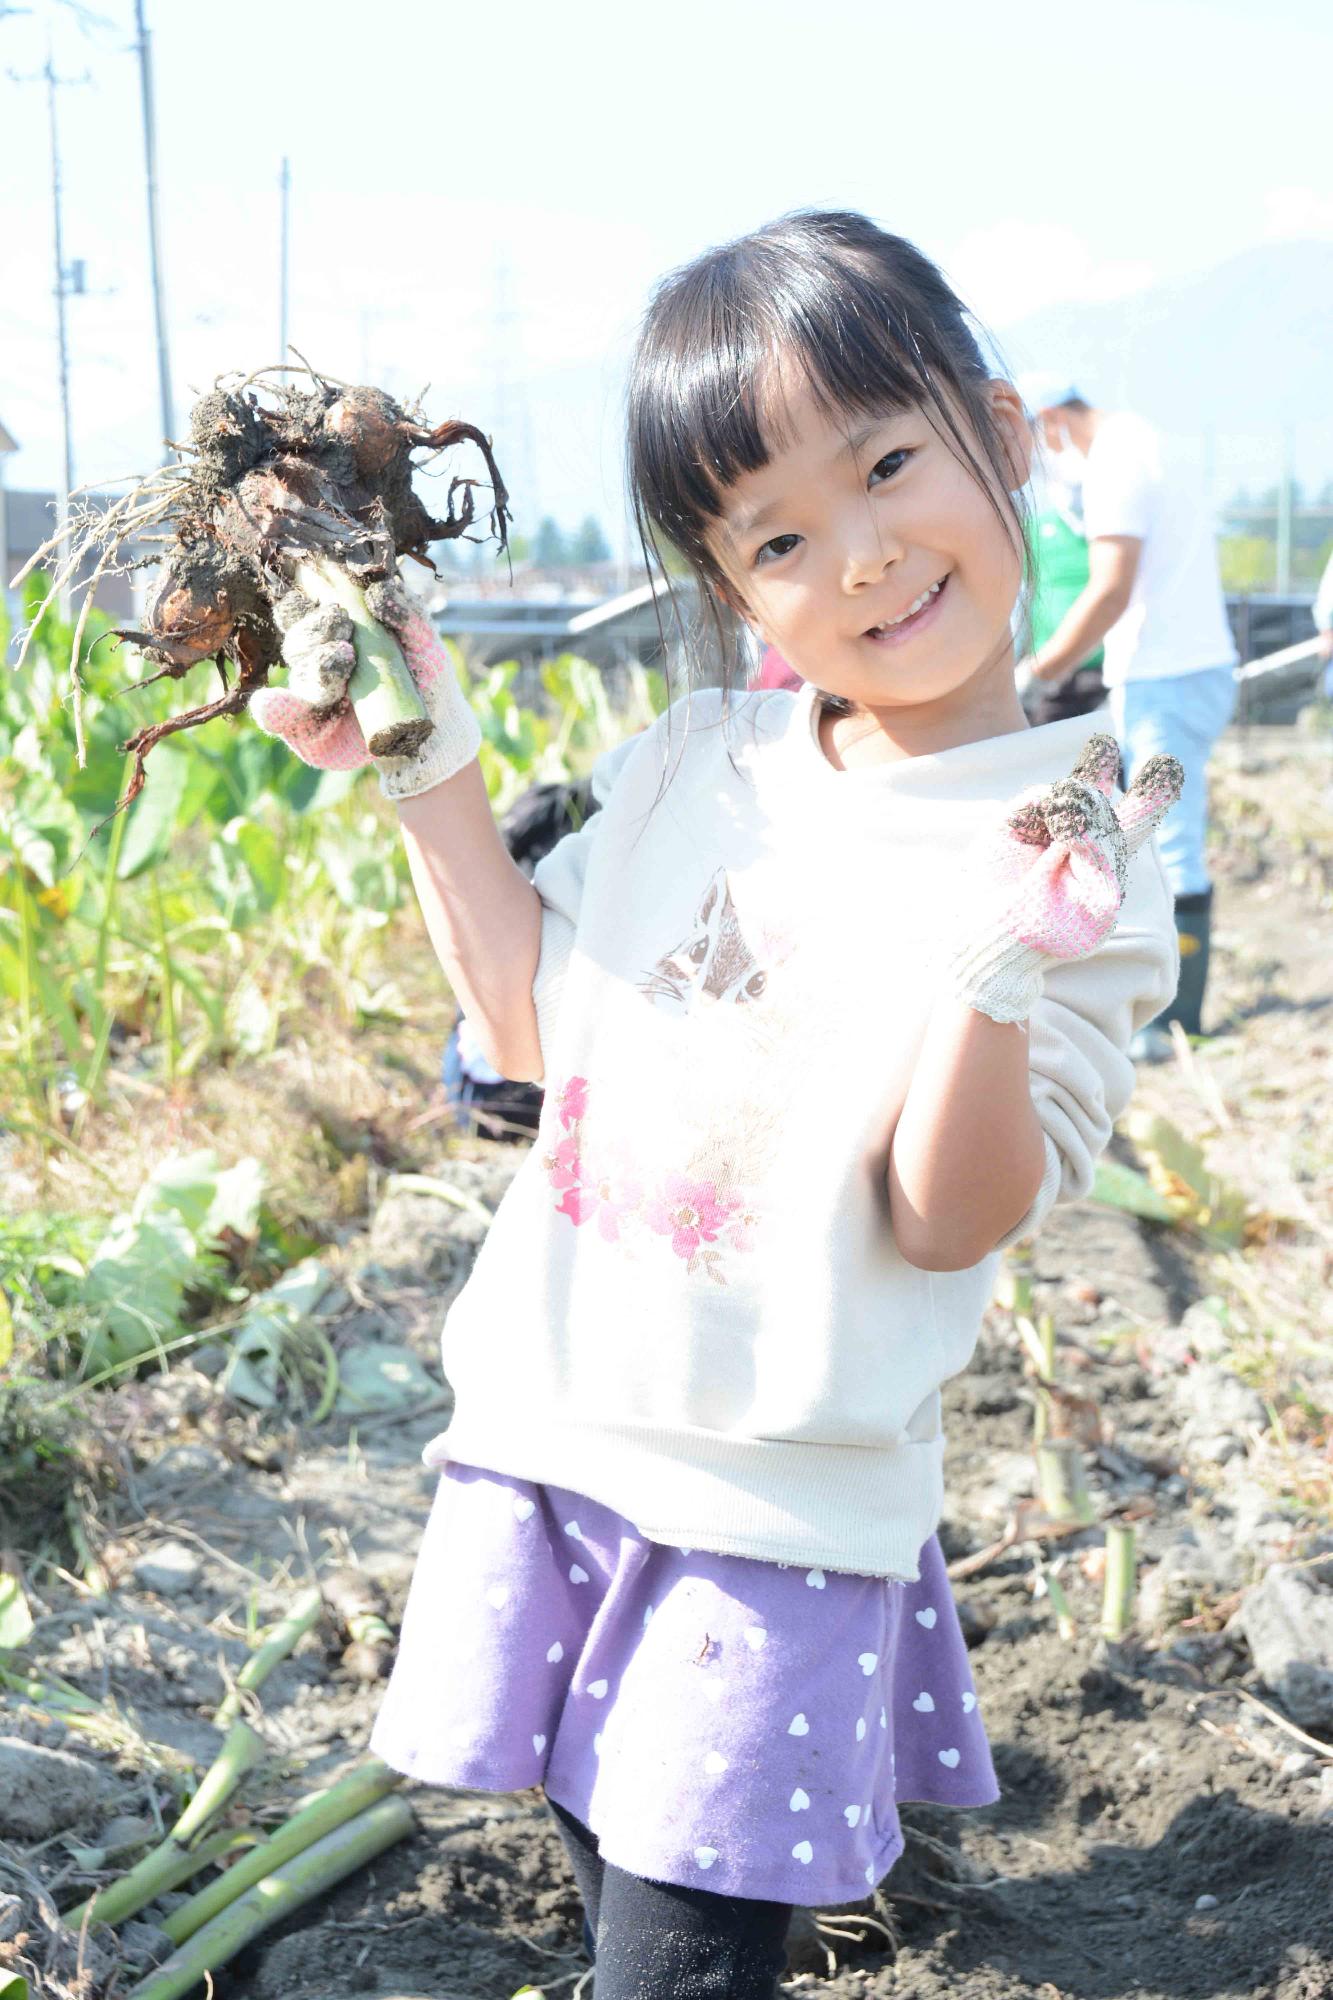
column 314, row 717
column 1047, row 883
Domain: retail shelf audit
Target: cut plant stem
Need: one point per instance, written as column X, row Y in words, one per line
column 241, row 1751
column 384, row 696
column 302, row 1618
column 1062, row 1481
column 280, row 1893
column 320, row 1815
column 1118, row 1592
column 1064, row 1617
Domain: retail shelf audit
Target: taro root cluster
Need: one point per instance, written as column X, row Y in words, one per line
column 279, row 486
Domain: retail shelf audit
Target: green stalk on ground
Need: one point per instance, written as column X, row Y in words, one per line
column 277, row 1896
column 302, row 1618
column 147, row 1880
column 1118, row 1593
column 386, row 698
column 360, row 1788
column 1062, row 1481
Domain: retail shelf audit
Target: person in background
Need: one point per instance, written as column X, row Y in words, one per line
column 1058, row 554
column 1323, row 620
column 1154, row 599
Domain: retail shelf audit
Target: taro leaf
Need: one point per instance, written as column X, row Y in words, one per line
column 155, row 813
column 1122, row 1187
column 13, row 1986
column 208, row 1200
column 15, row 1617
column 246, row 871
column 362, row 873
column 136, row 1279
column 254, row 1366
column 377, row 1375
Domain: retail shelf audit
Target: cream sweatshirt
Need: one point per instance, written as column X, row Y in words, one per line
column 689, row 1305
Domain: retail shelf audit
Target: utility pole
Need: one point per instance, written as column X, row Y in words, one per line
column 62, row 341
column 154, row 233
column 285, row 202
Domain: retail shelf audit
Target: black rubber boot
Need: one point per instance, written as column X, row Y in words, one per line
column 1194, row 916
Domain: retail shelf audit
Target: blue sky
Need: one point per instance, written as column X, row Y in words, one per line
column 555, row 160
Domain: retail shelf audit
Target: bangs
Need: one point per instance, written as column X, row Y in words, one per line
column 706, row 402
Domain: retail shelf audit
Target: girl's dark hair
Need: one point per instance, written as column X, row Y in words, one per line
column 877, row 329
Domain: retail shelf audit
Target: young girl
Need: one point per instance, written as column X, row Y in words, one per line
column 830, row 1001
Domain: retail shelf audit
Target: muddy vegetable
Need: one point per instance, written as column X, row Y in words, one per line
column 278, row 488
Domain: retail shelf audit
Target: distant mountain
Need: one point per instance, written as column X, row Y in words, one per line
column 1244, row 350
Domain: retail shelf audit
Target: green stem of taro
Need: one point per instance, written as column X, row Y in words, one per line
column 303, row 1618
column 386, row 699
column 1062, row 1481
column 282, row 1891
column 106, row 1017
column 1118, row 1592
column 147, row 1880
column 168, row 982
column 320, row 1815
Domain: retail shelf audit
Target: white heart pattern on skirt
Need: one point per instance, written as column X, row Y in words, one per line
column 803, row 1851
column 867, row 1663
column 852, row 1815
column 798, row 1726
column 577, row 1575
column 860, row 1729
column 755, row 1637
column 715, row 1762
column 556, row 1652
column 799, row 1801
column 523, row 1509
column 597, row 1689
column 969, row 1702
column 705, row 1856
column 573, row 1528
column 539, row 1744
column 815, row 1579
column 927, row 1617
column 498, row 1595
column 949, row 1757
column 924, row 1703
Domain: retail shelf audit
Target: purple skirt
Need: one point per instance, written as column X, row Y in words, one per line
column 718, row 1722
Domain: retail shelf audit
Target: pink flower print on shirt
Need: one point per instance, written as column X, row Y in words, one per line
column 563, row 1166
column 744, row 1223
column 688, row 1208
column 605, row 1199
column 573, row 1101
column 689, row 1212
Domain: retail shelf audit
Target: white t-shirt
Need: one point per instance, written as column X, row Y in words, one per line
column 1176, row 621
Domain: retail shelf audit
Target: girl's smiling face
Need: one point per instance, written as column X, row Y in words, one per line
column 877, row 564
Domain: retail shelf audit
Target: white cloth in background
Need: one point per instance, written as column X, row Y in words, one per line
column 1176, row 621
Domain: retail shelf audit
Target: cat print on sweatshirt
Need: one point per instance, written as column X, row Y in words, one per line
column 713, row 962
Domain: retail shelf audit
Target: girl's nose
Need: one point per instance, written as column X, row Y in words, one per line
column 867, row 553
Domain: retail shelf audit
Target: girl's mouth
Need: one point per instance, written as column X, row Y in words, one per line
column 913, row 620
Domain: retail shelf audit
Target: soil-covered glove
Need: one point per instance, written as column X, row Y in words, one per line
column 1047, row 884
column 314, row 716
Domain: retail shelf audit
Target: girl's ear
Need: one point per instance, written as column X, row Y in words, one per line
column 1015, row 431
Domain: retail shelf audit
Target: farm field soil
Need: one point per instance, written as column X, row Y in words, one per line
column 1159, row 1834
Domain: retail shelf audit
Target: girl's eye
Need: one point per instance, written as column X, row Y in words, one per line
column 778, row 551
column 893, row 460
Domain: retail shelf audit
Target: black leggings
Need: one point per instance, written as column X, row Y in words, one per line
column 657, row 1941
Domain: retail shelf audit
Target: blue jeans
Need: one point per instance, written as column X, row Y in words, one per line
column 1181, row 715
